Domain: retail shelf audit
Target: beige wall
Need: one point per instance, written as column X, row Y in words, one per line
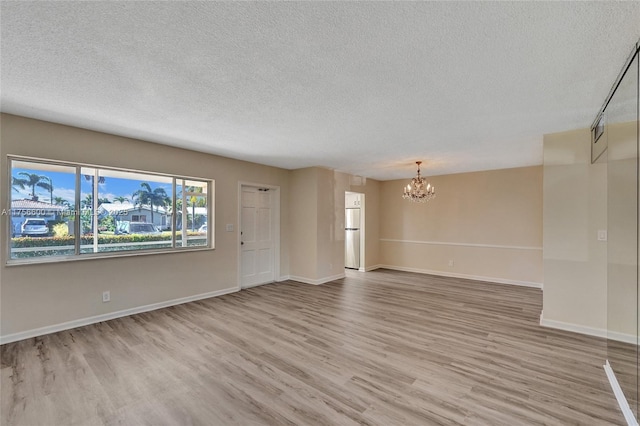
column 330, row 261
column 47, row 294
column 317, row 223
column 488, row 223
column 303, row 229
column 622, row 218
column 575, row 208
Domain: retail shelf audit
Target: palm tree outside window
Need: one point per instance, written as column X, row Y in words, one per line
column 33, row 180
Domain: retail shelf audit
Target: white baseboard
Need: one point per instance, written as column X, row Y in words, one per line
column 622, row 400
column 256, row 285
column 575, row 328
column 464, row 276
column 316, row 281
column 14, row 337
column 372, row 268
column 283, row 278
column 590, row 331
column 621, row 337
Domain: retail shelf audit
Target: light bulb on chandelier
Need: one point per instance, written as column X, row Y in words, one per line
column 419, row 190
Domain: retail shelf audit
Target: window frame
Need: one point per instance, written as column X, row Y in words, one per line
column 208, row 183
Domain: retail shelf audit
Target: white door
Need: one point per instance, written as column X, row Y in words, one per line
column 257, row 242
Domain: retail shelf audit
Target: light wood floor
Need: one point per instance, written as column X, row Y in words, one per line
column 383, row 348
column 623, row 359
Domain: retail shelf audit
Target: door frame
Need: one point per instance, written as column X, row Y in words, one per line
column 362, row 231
column 275, row 229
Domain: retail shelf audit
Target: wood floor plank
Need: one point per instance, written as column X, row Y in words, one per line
column 374, row 348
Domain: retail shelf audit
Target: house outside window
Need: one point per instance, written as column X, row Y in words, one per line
column 143, row 218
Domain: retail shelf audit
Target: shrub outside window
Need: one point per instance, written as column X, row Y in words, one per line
column 62, row 211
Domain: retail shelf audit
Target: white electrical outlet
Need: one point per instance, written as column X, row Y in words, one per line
column 451, row 262
column 602, row 235
column 229, row 227
column 106, row 296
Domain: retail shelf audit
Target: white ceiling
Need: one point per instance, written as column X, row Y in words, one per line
column 366, row 88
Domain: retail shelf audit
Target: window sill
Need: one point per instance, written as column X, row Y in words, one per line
column 97, row 256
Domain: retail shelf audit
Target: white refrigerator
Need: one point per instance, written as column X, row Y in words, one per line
column 352, row 238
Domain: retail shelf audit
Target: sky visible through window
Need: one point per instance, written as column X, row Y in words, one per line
column 64, row 187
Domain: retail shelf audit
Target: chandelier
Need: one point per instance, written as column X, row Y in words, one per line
column 419, row 190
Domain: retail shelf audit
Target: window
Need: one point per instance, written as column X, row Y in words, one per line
column 64, row 210
column 191, row 213
column 42, row 202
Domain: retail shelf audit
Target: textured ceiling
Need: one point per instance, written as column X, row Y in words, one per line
column 366, row 88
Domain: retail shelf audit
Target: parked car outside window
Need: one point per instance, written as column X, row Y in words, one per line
column 34, row 228
column 140, row 228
